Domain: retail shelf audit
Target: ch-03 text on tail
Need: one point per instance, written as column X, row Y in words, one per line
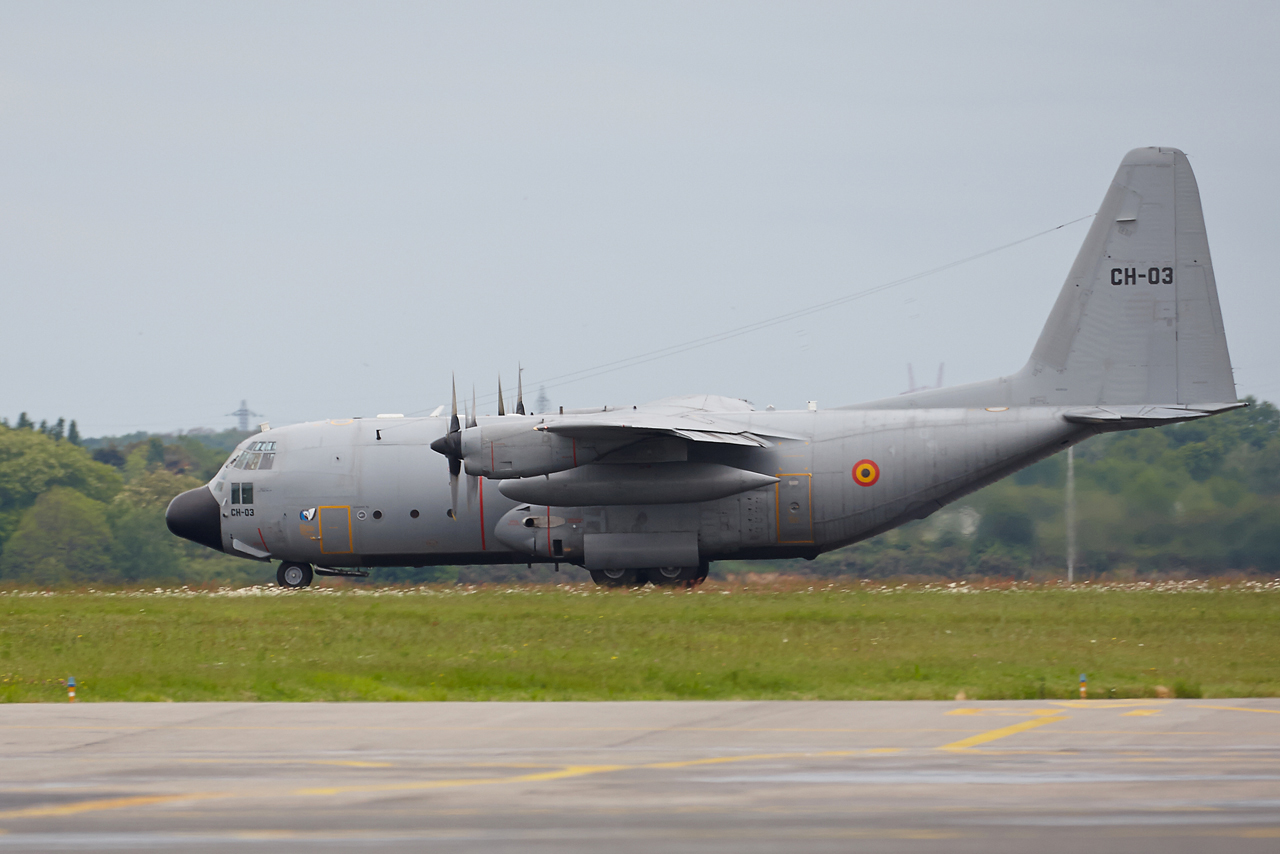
column 656, row 492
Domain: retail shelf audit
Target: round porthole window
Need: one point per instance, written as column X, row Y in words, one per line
column 413, row 514
column 360, row 515
column 377, row 514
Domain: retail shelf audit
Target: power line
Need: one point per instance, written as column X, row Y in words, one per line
column 716, row 338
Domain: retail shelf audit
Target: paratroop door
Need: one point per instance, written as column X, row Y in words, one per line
column 795, row 514
column 335, row 530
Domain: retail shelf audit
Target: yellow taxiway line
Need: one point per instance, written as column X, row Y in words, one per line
column 108, row 804
column 1239, row 709
column 1002, row 732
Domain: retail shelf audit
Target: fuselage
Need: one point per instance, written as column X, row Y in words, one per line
column 371, row 492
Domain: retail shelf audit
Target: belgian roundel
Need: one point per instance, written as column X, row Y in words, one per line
column 866, row 473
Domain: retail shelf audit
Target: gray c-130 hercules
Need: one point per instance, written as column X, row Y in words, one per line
column 654, row 493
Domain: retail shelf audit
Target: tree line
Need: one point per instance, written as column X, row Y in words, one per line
column 55, row 431
column 86, row 512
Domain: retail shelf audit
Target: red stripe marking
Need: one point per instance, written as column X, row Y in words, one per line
column 482, row 546
column 264, row 542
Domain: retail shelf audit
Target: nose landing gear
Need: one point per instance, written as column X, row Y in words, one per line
column 294, row 575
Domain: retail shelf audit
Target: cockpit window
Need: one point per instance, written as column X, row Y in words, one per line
column 253, row 458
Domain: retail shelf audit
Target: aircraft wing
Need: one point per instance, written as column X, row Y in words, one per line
column 695, row 426
column 698, row 418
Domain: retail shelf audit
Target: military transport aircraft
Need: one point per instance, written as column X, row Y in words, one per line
column 654, row 493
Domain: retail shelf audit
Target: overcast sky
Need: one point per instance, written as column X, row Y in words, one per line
column 325, row 209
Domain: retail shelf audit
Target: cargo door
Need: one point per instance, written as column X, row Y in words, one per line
column 795, row 510
column 335, row 530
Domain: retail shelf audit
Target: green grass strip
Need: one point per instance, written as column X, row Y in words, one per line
column 832, row 642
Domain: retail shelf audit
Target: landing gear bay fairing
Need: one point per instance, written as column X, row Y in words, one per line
column 654, row 493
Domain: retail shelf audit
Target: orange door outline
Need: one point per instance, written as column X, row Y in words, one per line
column 350, row 532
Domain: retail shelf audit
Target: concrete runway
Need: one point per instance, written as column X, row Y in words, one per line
column 1159, row 775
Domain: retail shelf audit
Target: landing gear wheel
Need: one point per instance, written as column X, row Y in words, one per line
column 293, row 575
column 673, row 576
column 701, row 576
column 618, row 577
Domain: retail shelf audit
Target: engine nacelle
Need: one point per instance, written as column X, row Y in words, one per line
column 636, row 483
column 512, row 446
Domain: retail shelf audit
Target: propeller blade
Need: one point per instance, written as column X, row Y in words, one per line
column 473, row 483
column 501, row 409
column 455, row 468
column 453, row 418
column 471, row 415
column 519, row 390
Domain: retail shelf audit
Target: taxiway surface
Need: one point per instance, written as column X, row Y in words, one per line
column 1160, row 775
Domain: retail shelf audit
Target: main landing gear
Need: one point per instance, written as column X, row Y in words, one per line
column 658, row 576
column 294, row 575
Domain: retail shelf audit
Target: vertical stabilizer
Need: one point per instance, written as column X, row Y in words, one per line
column 1137, row 321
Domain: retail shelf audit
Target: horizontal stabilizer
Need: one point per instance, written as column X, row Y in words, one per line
column 1154, row 415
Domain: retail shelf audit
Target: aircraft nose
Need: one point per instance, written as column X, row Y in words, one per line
column 193, row 515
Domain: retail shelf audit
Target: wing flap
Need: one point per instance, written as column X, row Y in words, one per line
column 749, row 439
column 641, row 425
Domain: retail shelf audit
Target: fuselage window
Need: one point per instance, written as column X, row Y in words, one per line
column 242, row 493
column 235, row 493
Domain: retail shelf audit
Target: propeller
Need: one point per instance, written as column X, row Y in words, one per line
column 450, row 445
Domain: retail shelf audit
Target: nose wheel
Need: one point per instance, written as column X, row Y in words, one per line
column 294, row 575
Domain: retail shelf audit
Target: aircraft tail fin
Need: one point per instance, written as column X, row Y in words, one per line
column 1137, row 320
